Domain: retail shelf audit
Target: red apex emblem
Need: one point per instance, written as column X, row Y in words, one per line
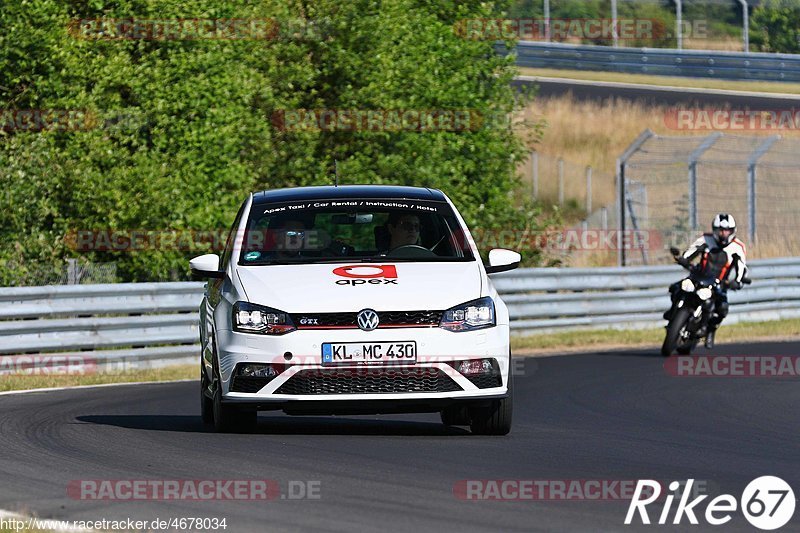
column 366, row 271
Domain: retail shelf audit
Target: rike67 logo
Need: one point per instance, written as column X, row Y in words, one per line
column 767, row 502
column 366, row 275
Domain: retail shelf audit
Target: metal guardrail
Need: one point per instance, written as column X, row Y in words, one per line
column 553, row 299
column 154, row 323
column 658, row 61
column 141, row 324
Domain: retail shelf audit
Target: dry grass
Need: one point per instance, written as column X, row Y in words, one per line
column 595, row 134
column 725, row 44
column 10, row 382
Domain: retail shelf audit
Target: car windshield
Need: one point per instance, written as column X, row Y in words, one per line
column 368, row 230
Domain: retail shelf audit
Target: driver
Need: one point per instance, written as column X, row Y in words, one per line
column 403, row 229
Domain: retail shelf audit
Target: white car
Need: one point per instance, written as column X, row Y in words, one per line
column 357, row 299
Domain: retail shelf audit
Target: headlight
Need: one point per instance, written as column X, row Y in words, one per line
column 704, row 293
column 251, row 318
column 687, row 285
column 469, row 316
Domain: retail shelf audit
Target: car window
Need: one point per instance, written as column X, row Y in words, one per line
column 367, row 230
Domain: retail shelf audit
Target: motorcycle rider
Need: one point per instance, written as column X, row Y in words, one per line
column 720, row 252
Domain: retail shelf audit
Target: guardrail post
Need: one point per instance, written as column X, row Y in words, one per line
column 588, row 191
column 752, row 164
column 604, row 218
column 560, row 181
column 679, row 22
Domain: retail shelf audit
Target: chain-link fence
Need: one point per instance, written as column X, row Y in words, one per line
column 673, row 187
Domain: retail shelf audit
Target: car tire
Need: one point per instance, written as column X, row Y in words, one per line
column 229, row 418
column 206, row 403
column 496, row 418
column 455, row 415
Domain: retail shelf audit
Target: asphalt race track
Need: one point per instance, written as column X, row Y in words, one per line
column 603, row 416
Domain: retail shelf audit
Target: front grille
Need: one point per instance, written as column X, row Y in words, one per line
column 410, row 319
column 368, row 381
column 248, row 384
column 485, row 381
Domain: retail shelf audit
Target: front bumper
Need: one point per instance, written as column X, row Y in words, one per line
column 301, row 352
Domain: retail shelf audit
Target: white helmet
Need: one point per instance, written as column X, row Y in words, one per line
column 723, row 221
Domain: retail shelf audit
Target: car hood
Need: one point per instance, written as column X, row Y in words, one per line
column 327, row 288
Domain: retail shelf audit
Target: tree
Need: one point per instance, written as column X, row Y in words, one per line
column 179, row 131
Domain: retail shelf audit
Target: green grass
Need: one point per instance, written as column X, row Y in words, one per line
column 673, row 81
column 10, row 382
column 593, row 339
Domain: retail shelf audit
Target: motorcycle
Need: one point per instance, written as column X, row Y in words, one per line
column 691, row 309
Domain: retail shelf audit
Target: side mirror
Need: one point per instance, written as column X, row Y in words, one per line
column 674, row 251
column 206, row 266
column 502, row 260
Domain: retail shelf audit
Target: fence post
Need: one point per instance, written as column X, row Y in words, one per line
column 752, row 164
column 745, row 25
column 535, row 173
column 614, row 31
column 72, row 271
column 693, row 159
column 588, row 191
column 547, row 20
column 620, row 178
column 560, row 181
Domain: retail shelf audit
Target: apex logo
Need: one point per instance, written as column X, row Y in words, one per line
column 366, row 274
column 383, row 271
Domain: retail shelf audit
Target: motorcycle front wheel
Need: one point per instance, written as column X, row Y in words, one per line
column 676, row 325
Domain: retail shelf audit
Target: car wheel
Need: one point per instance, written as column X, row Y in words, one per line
column 455, row 415
column 496, row 418
column 206, row 403
column 229, row 418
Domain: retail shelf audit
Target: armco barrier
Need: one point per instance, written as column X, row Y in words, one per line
column 155, row 323
column 659, row 61
column 551, row 299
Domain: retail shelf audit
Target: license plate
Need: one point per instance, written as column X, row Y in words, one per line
column 369, row 353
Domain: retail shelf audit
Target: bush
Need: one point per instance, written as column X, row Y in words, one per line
column 776, row 27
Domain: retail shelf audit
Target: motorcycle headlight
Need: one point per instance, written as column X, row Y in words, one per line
column 251, row 318
column 687, row 285
column 704, row 293
column 469, row 316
